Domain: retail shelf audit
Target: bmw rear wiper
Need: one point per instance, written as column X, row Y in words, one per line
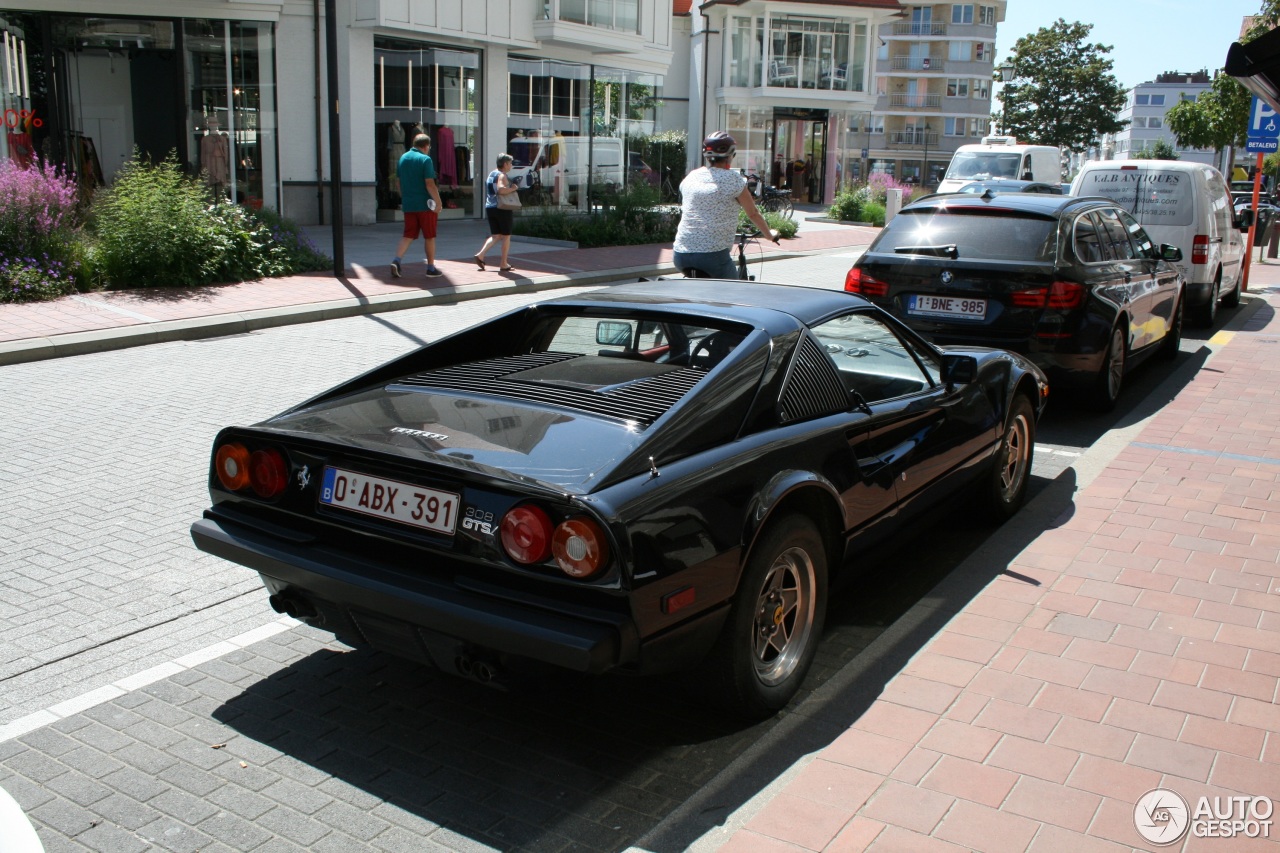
column 948, row 251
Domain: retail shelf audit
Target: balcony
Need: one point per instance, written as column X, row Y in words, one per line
column 917, row 63
column 919, row 28
column 912, row 137
column 601, row 27
column 915, row 102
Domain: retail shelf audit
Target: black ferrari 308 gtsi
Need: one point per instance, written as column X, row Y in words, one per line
column 649, row 477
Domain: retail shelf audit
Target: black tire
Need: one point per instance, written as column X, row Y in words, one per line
column 785, row 208
column 1232, row 299
column 1011, row 466
column 1106, row 389
column 1173, row 340
column 773, row 629
column 1208, row 312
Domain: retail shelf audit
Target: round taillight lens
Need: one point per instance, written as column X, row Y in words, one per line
column 268, row 473
column 526, row 534
column 579, row 547
column 232, row 465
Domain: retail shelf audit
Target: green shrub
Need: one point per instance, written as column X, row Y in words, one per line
column 627, row 219
column 784, row 225
column 156, row 226
column 846, row 207
column 301, row 255
column 873, row 212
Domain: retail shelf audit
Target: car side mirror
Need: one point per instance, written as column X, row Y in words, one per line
column 1244, row 218
column 613, row 333
column 1172, row 254
column 959, row 369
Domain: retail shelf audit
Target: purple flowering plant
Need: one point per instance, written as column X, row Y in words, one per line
column 40, row 217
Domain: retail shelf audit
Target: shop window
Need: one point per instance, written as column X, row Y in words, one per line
column 423, row 88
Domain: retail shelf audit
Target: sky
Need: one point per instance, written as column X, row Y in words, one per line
column 1147, row 37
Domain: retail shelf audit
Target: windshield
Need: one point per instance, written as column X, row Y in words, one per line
column 985, row 233
column 984, row 164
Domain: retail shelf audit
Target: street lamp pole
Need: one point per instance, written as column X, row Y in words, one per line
column 924, row 177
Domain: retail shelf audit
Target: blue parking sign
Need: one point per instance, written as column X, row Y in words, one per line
column 1264, row 127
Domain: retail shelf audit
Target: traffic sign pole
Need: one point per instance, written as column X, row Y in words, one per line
column 1253, row 226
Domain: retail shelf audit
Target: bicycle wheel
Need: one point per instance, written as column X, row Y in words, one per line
column 785, row 208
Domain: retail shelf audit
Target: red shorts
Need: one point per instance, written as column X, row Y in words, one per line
column 420, row 221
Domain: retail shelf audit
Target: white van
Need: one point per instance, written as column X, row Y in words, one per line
column 562, row 164
column 1002, row 157
column 1185, row 205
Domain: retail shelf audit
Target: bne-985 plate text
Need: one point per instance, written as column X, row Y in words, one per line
column 947, row 306
column 390, row 499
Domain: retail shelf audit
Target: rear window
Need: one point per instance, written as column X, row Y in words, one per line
column 986, row 233
column 1154, row 196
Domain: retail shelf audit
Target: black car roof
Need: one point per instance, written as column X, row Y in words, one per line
column 759, row 304
column 1044, row 204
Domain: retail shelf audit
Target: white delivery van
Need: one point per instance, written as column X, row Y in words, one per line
column 561, row 165
column 1002, row 157
column 1183, row 204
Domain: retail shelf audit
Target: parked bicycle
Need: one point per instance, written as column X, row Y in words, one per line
column 740, row 241
column 770, row 199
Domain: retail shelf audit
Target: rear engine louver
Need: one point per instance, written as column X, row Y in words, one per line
column 642, row 401
column 814, row 387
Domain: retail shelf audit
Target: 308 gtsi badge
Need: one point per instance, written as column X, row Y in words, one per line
column 651, row 477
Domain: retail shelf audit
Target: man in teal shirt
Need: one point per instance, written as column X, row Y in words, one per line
column 420, row 201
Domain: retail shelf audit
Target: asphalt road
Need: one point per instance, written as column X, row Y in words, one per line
column 318, row 746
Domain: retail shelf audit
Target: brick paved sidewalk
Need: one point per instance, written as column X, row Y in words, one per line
column 109, row 319
column 1134, row 645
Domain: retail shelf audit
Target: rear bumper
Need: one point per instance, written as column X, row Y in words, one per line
column 415, row 617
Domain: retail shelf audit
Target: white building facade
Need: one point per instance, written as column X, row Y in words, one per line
column 1145, row 109
column 237, row 89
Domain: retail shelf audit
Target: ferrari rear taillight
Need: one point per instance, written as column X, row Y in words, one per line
column 268, row 473
column 1200, row 249
column 232, row 465
column 579, row 547
column 857, row 281
column 526, row 534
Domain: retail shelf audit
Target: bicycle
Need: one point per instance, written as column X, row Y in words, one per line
column 740, row 241
column 777, row 201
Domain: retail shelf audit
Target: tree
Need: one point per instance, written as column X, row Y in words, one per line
column 1217, row 119
column 1161, row 150
column 1062, row 90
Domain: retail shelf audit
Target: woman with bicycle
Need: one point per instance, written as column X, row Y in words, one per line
column 711, row 198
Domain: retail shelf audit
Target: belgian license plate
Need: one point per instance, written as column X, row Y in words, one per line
column 393, row 500
column 947, row 306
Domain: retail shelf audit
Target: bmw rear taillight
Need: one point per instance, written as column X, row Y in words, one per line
column 1033, row 298
column 231, row 463
column 1200, row 249
column 579, row 547
column 857, row 281
column 1065, row 295
column 268, row 473
column 526, row 534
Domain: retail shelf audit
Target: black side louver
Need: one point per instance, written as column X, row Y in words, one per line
column 642, row 401
column 814, row 388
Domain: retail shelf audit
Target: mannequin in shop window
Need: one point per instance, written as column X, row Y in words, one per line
column 215, row 156
column 395, row 150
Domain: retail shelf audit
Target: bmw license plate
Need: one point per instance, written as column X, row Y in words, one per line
column 393, row 500
column 924, row 305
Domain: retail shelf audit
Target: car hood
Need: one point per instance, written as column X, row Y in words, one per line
column 502, row 438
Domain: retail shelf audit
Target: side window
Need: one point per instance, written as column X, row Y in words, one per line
column 1138, row 235
column 1087, row 243
column 870, row 358
column 1116, row 234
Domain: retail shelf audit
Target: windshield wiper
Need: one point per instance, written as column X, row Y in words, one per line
column 948, row 251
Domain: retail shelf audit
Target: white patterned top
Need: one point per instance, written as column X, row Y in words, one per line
column 709, row 210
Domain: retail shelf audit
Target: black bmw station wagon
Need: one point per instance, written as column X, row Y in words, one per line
column 1075, row 284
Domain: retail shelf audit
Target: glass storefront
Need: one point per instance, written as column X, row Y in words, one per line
column 575, row 131
column 436, row 90
column 93, row 89
column 809, row 152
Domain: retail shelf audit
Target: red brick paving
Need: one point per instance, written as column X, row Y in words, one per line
column 1148, row 655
